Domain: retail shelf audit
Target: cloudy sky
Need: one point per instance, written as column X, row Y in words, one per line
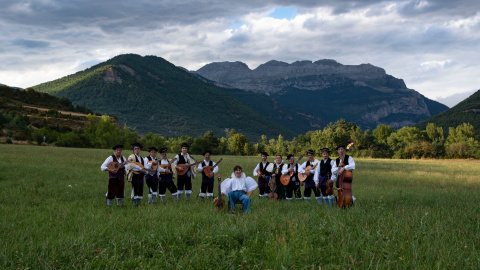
column 433, row 45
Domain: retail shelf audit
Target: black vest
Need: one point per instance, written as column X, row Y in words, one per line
column 295, row 173
column 182, row 159
column 325, row 167
column 344, row 162
column 264, row 169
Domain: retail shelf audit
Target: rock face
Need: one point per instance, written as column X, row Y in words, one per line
column 380, row 98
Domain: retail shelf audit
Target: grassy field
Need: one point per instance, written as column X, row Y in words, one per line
column 409, row 214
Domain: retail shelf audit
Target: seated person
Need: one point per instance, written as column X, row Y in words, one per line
column 239, row 188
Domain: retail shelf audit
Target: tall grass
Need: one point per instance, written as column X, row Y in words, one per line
column 408, row 214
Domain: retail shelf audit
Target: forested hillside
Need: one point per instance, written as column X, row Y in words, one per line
column 150, row 94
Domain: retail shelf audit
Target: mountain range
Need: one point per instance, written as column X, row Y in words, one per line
column 151, row 94
column 326, row 90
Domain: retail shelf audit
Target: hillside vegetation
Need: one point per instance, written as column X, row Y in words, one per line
column 151, row 94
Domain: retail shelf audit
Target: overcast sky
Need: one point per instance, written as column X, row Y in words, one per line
column 433, row 45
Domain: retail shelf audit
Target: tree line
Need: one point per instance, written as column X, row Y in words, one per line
column 382, row 142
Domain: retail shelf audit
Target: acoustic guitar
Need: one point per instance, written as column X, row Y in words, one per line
column 208, row 170
column 139, row 165
column 303, row 176
column 285, row 179
column 166, row 167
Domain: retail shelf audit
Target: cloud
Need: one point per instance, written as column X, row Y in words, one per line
column 429, row 44
column 30, row 43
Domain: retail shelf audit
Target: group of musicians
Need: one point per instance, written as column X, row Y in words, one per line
column 159, row 173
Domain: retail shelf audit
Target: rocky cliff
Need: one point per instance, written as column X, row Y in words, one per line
column 379, row 97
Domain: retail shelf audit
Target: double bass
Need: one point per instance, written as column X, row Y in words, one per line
column 344, row 190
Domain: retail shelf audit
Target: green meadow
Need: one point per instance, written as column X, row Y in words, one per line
column 409, row 214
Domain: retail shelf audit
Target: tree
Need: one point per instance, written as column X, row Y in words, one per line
column 382, row 132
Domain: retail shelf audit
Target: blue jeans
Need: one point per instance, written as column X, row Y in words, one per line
column 237, row 195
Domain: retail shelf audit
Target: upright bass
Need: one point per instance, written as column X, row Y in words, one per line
column 344, row 190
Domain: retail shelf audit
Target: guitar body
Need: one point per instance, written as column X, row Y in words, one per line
column 285, row 179
column 303, row 176
column 114, row 165
column 154, row 165
column 139, row 165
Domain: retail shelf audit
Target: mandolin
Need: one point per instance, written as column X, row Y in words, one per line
column 183, row 168
column 115, row 166
column 139, row 165
column 285, row 179
column 208, row 170
column 219, row 202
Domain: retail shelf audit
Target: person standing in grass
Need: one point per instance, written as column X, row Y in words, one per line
column 166, row 176
column 151, row 178
column 207, row 182
column 323, row 173
column 185, row 180
column 138, row 173
column 277, row 173
column 342, row 163
column 116, row 176
column 293, row 186
column 238, row 188
column 309, row 183
column 264, row 176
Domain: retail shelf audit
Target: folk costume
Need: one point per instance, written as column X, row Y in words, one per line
column 263, row 180
column 136, row 176
column 323, row 173
column 235, row 188
column 151, row 178
column 185, row 181
column 293, row 186
column 281, row 190
column 116, row 181
column 207, row 182
column 309, row 182
column 166, row 179
column 349, row 166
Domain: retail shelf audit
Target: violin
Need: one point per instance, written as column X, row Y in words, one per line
column 219, row 202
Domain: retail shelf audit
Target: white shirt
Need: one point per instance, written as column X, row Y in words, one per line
column 244, row 183
column 200, row 167
column 349, row 167
column 148, row 166
column 110, row 159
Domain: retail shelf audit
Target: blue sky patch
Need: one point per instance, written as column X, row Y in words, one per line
column 284, row 13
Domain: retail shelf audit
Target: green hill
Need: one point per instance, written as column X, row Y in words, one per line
column 150, row 94
column 467, row 111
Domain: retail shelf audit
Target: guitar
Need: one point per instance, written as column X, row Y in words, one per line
column 115, row 166
column 219, row 202
column 285, row 179
column 303, row 176
column 166, row 167
column 139, row 165
column 183, row 168
column 208, row 170
column 269, row 168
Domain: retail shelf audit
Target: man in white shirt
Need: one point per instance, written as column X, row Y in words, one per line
column 116, row 176
column 342, row 163
column 184, row 179
column 207, row 182
column 239, row 188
